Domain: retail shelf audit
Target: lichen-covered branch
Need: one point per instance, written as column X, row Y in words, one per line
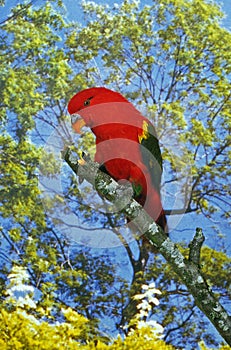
column 187, row 269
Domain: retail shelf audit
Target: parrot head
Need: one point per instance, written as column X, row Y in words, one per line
column 81, row 106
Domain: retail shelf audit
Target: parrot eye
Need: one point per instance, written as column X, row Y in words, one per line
column 88, row 101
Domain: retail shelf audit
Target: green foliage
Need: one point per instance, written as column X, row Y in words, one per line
column 23, row 327
column 19, row 329
column 171, row 58
column 32, row 64
column 19, row 188
column 217, row 261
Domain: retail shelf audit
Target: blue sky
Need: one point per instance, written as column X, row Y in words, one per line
column 73, row 14
column 73, row 6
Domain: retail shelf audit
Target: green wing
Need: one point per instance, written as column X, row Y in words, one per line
column 151, row 154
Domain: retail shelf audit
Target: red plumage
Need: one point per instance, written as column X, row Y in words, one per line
column 126, row 144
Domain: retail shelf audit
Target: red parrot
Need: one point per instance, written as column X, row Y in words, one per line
column 126, row 144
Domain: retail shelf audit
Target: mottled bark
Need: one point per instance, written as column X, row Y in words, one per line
column 187, row 269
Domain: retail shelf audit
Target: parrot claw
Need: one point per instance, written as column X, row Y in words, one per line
column 81, row 161
column 86, row 156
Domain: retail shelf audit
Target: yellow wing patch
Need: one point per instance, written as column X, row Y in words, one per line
column 145, row 133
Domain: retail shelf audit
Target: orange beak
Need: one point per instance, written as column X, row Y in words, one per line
column 77, row 123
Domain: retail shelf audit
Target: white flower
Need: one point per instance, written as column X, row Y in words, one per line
column 147, row 300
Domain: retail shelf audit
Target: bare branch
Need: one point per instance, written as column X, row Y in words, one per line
column 187, row 269
column 195, row 247
column 17, row 14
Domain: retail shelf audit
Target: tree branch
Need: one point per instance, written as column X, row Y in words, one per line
column 187, row 269
column 195, row 247
column 184, row 322
column 15, row 15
